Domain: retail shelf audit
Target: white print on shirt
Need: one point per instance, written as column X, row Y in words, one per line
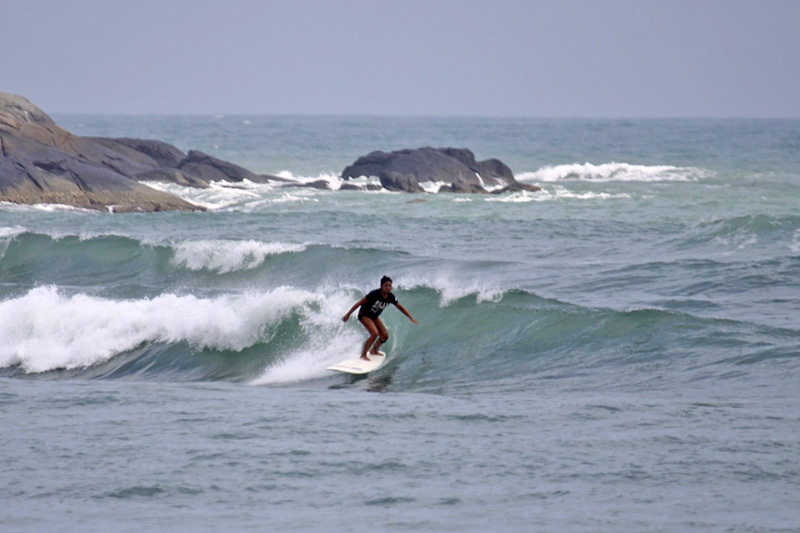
column 379, row 306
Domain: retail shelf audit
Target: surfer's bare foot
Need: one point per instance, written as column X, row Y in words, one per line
column 365, row 358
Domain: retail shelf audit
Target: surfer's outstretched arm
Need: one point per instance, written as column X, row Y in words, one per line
column 405, row 312
column 358, row 304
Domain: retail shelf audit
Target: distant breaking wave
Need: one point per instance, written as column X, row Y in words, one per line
column 557, row 193
column 221, row 256
column 228, row 256
column 613, row 172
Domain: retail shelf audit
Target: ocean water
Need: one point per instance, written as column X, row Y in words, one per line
column 618, row 352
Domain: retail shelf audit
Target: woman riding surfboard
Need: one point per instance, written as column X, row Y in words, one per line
column 371, row 306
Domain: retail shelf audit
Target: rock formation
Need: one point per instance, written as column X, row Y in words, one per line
column 41, row 162
column 404, row 170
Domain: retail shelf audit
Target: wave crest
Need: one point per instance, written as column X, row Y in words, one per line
column 613, row 172
column 227, row 256
column 46, row 330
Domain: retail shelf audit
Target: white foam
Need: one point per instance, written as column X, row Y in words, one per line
column 10, row 232
column 46, row 330
column 521, row 197
column 432, row 187
column 292, row 198
column 331, row 178
column 218, row 196
column 612, row 172
column 311, row 361
column 244, row 184
column 328, row 341
column 10, row 206
column 228, row 256
column 334, row 181
column 558, row 192
column 451, row 291
column 794, row 246
column 562, row 192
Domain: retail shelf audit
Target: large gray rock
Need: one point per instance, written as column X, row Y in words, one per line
column 41, row 162
column 463, row 187
column 159, row 153
column 316, row 184
column 491, row 171
column 209, row 168
column 455, row 166
column 393, row 181
column 169, row 163
column 172, row 175
column 365, row 187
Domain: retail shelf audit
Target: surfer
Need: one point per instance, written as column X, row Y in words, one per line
column 372, row 305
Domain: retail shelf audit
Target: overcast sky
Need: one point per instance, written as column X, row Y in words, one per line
column 559, row 58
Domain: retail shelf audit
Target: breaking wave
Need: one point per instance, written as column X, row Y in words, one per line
column 285, row 335
column 613, row 172
column 228, row 256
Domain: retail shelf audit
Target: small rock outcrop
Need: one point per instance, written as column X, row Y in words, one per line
column 404, row 170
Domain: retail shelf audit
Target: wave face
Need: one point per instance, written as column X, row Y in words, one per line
column 285, row 335
column 117, row 307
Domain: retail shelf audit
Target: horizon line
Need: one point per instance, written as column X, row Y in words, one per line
column 221, row 115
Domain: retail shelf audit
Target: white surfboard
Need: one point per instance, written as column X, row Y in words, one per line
column 356, row 365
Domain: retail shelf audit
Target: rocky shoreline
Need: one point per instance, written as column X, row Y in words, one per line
column 42, row 163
